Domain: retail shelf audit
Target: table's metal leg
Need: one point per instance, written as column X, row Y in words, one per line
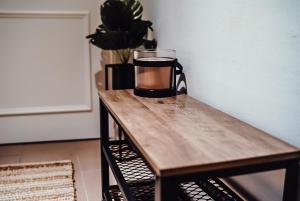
column 104, row 139
column 165, row 189
column 119, row 132
column 291, row 181
column 120, row 138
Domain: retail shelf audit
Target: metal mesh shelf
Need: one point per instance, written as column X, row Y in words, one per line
column 191, row 191
column 140, row 180
column 131, row 172
column 207, row 190
column 132, row 167
column 114, row 194
column 143, row 192
column 122, row 151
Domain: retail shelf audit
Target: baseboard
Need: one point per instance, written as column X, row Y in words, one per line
column 51, row 141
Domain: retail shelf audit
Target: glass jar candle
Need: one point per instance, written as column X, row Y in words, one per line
column 155, row 73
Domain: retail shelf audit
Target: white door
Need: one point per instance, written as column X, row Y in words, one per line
column 47, row 68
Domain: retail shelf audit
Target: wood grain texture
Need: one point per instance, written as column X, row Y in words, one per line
column 179, row 135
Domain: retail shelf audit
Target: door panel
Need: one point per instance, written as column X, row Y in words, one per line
column 47, row 87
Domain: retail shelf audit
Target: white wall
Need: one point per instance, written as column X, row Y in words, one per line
column 47, row 83
column 240, row 56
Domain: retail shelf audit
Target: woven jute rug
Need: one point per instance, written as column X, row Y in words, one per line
column 45, row 181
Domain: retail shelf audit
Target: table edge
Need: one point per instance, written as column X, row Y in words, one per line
column 203, row 167
column 295, row 155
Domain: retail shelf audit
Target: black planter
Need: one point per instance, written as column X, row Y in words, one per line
column 122, row 76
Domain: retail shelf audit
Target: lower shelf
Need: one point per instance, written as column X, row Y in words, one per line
column 136, row 180
column 210, row 190
column 140, row 192
column 114, row 194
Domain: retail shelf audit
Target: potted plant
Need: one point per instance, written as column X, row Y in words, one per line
column 121, row 31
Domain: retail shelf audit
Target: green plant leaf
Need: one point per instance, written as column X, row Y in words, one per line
column 138, row 13
column 122, row 28
column 135, row 6
column 130, row 3
column 115, row 15
column 137, row 31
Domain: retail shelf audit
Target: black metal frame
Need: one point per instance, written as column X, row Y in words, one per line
column 122, row 76
column 165, row 186
column 104, row 139
column 128, row 184
column 119, row 177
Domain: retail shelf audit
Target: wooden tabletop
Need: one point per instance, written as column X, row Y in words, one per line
column 179, row 135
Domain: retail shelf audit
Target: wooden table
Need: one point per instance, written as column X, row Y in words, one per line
column 182, row 139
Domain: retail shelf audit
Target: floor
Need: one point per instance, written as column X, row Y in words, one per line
column 84, row 154
column 86, row 159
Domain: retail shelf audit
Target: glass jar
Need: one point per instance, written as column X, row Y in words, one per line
column 155, row 73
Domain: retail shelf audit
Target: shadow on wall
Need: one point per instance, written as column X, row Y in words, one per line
column 107, row 57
